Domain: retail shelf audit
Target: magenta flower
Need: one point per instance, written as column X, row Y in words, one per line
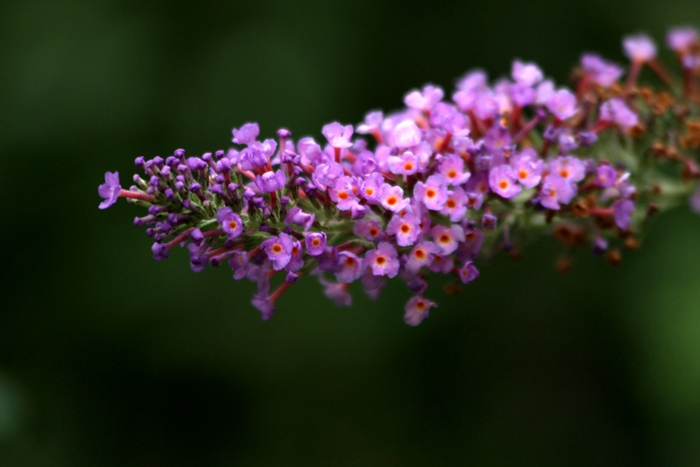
column 527, row 168
column 605, row 175
column 296, row 216
column 230, row 222
column 502, row 180
column 343, row 193
column 447, row 238
column 680, row 40
column 238, row 262
column 109, row 190
column 383, row 261
column 338, row 135
column 455, row 205
column 368, row 229
column 569, row 168
column 601, row 72
column 405, row 164
column 372, row 123
column 417, row 309
column 562, row 104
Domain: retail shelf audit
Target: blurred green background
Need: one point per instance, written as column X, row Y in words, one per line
column 108, row 358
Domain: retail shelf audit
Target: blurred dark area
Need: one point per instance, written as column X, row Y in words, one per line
column 109, row 358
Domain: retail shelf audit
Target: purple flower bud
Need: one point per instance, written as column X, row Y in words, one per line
column 488, row 221
column 160, row 251
column 109, row 190
column 468, row 273
column 298, row 217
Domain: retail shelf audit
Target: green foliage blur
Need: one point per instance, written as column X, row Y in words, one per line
column 109, row 358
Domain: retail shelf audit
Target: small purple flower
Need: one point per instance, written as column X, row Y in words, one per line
column 230, row 222
column 252, row 158
column 338, row 135
column 406, row 134
column 421, row 255
column 681, row 39
column 447, row 238
column 432, row 193
column 296, row 261
column 368, row 229
column 264, row 305
column 392, row 199
column 271, row 181
column 570, row 168
column 349, row 267
column 562, row 104
column 298, row 217
column 442, row 264
column 556, row 190
column 452, row 168
column 238, row 262
column 278, row 250
column 315, row 243
column 371, row 188
column 406, row 228
column 326, row 174
column 372, row 123
column 601, row 72
column 109, row 190
column 468, row 273
column 417, row 309
column 425, row 100
column 605, row 175
column 639, row 47
column 405, row 164
column 383, row 260
column 455, row 205
column 527, row 168
column 526, row 74
column 343, row 193
column 502, row 181
column 623, row 209
column 247, row 134
column 615, row 110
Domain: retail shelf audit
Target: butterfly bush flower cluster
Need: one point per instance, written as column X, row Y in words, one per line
column 441, row 185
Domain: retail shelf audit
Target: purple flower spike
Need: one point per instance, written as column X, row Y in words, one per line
column 247, row 134
column 417, row 309
column 109, row 190
column 623, row 209
column 468, row 273
column 230, row 222
column 639, row 48
column 383, row 261
column 502, row 182
column 278, row 250
column 315, row 243
column 338, row 135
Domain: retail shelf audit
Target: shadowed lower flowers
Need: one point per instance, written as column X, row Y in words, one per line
column 440, row 185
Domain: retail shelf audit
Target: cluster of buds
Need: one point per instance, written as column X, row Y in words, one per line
column 440, row 185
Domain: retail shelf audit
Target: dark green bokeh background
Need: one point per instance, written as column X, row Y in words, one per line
column 110, row 358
